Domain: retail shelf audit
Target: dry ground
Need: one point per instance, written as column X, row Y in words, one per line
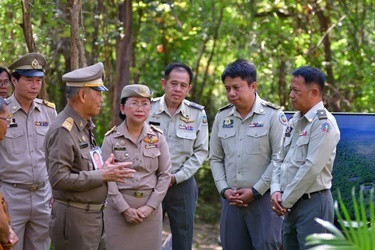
column 205, row 235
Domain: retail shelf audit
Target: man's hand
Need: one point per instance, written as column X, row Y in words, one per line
column 173, row 181
column 232, row 196
column 245, row 195
column 133, row 216
column 116, row 171
column 145, row 210
column 276, row 199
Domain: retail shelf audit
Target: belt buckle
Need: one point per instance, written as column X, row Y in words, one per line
column 138, row 194
column 34, row 187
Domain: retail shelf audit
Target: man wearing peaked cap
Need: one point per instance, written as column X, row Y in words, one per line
column 23, row 173
column 91, row 76
column 78, row 188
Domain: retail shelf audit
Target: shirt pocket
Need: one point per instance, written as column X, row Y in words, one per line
column 228, row 140
column 16, row 142
column 40, row 135
column 186, row 139
column 151, row 159
column 300, row 152
column 256, row 141
column 86, row 160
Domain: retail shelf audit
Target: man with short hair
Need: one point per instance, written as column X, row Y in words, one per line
column 302, row 180
column 23, row 173
column 184, row 124
column 5, row 85
column 245, row 140
column 79, row 190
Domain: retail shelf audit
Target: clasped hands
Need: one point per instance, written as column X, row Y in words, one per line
column 276, row 199
column 137, row 215
column 239, row 197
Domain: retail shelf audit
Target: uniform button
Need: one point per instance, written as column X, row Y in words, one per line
column 240, row 139
column 238, row 156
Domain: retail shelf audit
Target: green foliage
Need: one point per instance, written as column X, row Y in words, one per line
column 356, row 234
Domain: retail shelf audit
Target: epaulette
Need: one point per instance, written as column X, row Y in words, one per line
column 68, row 124
column 155, row 99
column 194, row 105
column 110, row 131
column 156, row 129
column 322, row 114
column 49, row 104
column 271, row 105
column 226, row 106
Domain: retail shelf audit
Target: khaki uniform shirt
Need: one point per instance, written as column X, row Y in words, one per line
column 242, row 151
column 21, row 152
column 305, row 162
column 69, row 164
column 150, row 157
column 186, row 133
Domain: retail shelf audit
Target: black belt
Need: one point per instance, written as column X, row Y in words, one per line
column 308, row 195
column 29, row 187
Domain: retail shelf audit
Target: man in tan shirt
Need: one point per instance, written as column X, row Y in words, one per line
column 23, row 172
column 302, row 178
column 78, row 188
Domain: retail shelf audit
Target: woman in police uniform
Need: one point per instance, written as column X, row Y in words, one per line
column 133, row 218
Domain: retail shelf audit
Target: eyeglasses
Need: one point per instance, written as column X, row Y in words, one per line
column 8, row 120
column 4, row 83
column 143, row 105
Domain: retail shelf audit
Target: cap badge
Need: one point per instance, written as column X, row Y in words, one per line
column 142, row 90
column 35, row 64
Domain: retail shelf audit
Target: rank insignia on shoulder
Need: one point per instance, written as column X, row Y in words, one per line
column 68, row 124
column 226, row 107
column 110, row 131
column 156, row 129
column 271, row 105
column 49, row 104
column 322, row 114
column 195, row 105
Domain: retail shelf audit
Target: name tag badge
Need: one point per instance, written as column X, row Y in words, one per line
column 256, row 124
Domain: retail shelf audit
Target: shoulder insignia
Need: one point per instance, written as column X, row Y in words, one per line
column 194, row 105
column 226, row 107
column 110, row 131
column 156, row 129
column 49, row 104
column 322, row 114
column 68, row 124
column 155, row 99
column 271, row 105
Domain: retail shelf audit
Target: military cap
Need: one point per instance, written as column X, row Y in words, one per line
column 136, row 90
column 31, row 64
column 91, row 77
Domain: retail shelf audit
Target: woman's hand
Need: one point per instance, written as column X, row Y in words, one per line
column 145, row 210
column 133, row 216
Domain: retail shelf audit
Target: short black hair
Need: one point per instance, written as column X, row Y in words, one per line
column 311, row 75
column 241, row 68
column 6, row 71
column 71, row 91
column 121, row 115
column 180, row 66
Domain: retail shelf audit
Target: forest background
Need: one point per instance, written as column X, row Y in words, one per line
column 135, row 40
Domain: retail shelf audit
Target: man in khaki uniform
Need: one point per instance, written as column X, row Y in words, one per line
column 184, row 124
column 79, row 190
column 245, row 140
column 23, row 172
column 301, row 181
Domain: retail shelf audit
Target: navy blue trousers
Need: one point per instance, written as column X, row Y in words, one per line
column 180, row 204
column 254, row 227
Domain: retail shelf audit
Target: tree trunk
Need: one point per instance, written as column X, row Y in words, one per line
column 26, row 26
column 77, row 51
column 124, row 58
column 324, row 21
